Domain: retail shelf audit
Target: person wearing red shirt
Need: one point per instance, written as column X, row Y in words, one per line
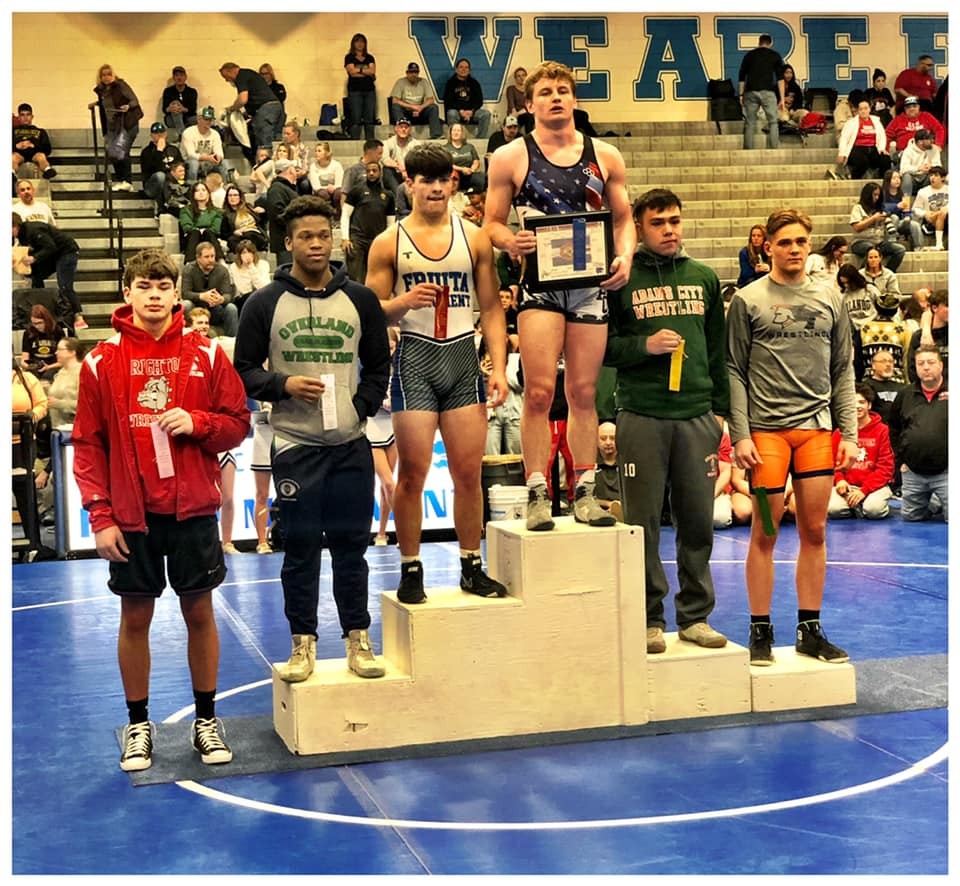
column 904, row 127
column 155, row 407
column 863, row 489
column 917, row 81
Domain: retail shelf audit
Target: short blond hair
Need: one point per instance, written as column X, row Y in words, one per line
column 196, row 313
column 548, row 71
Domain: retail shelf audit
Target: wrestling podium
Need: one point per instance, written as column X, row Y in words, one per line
column 564, row 652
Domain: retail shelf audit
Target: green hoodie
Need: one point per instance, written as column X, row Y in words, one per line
column 675, row 293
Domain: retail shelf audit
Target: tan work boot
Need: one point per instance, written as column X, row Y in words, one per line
column 360, row 658
column 302, row 659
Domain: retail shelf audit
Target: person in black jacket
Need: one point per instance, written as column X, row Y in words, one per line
column 31, row 143
column 179, row 102
column 761, row 86
column 463, row 100
column 281, row 192
column 51, row 252
column 918, row 431
column 156, row 160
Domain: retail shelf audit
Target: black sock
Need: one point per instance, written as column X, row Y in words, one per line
column 137, row 711
column 760, row 619
column 807, row 615
column 204, row 703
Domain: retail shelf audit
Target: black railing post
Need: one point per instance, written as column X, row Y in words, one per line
column 120, row 255
column 107, row 207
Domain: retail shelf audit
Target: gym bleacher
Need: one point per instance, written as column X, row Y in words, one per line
column 724, row 189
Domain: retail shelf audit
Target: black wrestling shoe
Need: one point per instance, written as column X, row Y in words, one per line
column 812, row 641
column 761, row 644
column 411, row 583
column 474, row 580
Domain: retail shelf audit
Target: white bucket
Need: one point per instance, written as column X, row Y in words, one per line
column 507, row 502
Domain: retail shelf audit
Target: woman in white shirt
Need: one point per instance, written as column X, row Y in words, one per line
column 249, row 272
column 863, row 144
column 326, row 174
column 823, row 264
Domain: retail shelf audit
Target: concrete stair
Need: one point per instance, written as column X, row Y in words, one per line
column 724, row 189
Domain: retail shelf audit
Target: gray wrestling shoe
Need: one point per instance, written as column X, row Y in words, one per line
column 586, row 509
column 539, row 509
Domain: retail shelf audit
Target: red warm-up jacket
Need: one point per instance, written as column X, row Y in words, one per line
column 874, row 466
column 105, row 458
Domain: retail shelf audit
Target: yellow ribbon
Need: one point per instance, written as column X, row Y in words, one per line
column 676, row 368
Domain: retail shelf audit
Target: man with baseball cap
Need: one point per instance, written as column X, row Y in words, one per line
column 916, row 161
column 179, row 102
column 411, row 98
column 202, row 148
column 507, row 134
column 156, row 159
column 395, row 151
column 903, row 128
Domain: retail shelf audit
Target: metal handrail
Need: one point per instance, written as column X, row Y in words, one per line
column 120, row 254
column 106, row 210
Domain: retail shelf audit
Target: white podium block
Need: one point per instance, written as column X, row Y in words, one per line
column 566, row 650
column 690, row 681
column 581, row 571
column 332, row 710
column 799, row 681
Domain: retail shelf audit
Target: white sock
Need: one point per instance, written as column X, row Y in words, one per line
column 468, row 555
column 412, row 559
column 939, row 235
column 588, row 476
column 536, row 479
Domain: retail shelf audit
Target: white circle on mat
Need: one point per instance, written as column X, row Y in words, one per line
column 866, row 787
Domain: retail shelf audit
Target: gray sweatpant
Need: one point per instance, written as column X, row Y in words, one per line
column 651, row 452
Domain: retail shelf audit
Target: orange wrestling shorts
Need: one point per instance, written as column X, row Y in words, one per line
column 802, row 452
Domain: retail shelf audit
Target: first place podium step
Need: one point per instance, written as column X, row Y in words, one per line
column 565, row 651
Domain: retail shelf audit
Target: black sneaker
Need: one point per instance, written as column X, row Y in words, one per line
column 49, row 172
column 206, row 736
column 474, row 580
column 761, row 644
column 812, row 641
column 411, row 583
column 137, row 747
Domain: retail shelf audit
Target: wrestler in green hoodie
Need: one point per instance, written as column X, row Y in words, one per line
column 669, row 424
column 669, row 292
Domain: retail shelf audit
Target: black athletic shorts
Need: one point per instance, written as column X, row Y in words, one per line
column 194, row 558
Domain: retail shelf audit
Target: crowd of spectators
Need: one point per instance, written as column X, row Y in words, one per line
column 184, row 167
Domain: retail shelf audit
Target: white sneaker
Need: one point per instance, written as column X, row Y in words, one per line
column 228, row 548
column 302, row 659
column 264, row 548
column 360, row 657
column 380, row 540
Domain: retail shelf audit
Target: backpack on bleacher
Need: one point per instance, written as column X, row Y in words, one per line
column 724, row 102
column 328, row 115
column 813, row 122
